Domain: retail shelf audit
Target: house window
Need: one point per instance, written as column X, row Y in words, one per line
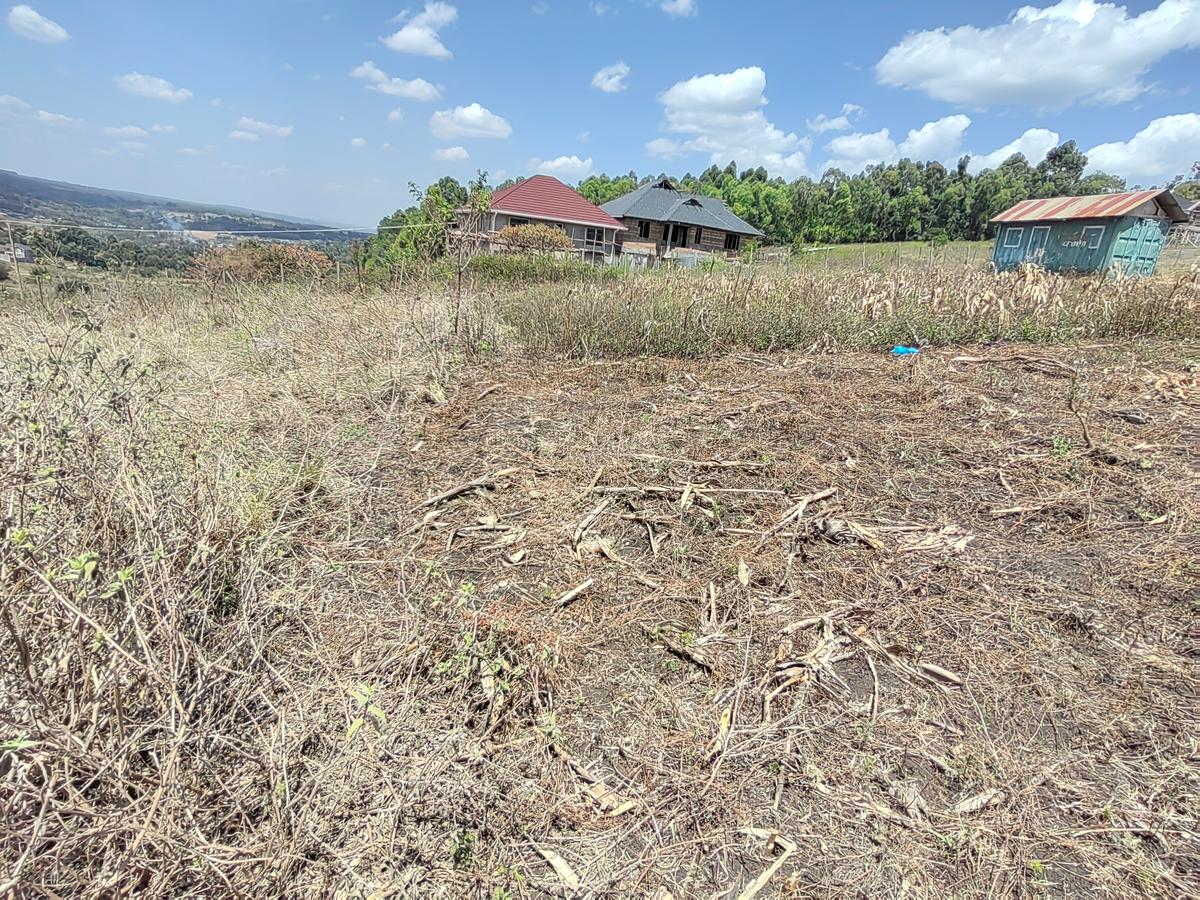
column 1092, row 236
column 1012, row 237
column 644, row 230
column 733, row 241
column 594, row 235
column 679, row 236
column 699, row 235
column 513, row 220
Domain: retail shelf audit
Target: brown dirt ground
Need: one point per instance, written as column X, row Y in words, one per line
column 969, row 669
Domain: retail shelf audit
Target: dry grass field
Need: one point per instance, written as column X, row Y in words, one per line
column 670, row 586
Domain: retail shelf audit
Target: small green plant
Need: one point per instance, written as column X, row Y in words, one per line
column 1061, row 445
column 462, row 848
column 1037, row 870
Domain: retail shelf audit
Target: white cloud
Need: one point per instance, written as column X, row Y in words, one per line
column 1034, row 144
column 451, row 154
column 195, row 151
column 214, row 102
column 277, row 172
column 721, row 116
column 572, row 168
column 49, row 118
column 1044, row 57
column 680, row 8
column 823, row 123
column 358, row 143
column 243, row 135
column 540, row 8
column 30, row 24
column 601, row 9
column 396, row 115
column 245, row 123
column 378, row 80
column 420, row 34
column 151, row 86
column 611, row 79
column 584, row 137
column 938, row 140
column 8, row 101
column 468, row 121
column 163, row 129
column 126, row 131
column 1163, row 149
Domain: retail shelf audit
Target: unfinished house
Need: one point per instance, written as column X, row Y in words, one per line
column 546, row 200
column 663, row 221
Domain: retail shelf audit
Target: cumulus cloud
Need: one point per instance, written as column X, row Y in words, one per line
column 151, row 86
column 938, row 140
column 358, row 143
column 451, row 154
column 125, row 131
column 468, row 121
column 611, row 79
column 721, row 115
column 1045, row 57
column 420, row 34
column 243, row 135
column 378, row 80
column 32, row 25
column 195, row 151
column 396, row 115
column 1034, row 144
column 163, row 129
column 50, row 118
column 1163, row 149
column 823, row 123
column 8, row 101
column 570, row 168
column 679, row 8
column 245, row 123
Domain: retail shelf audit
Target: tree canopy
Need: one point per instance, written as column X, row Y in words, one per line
column 898, row 201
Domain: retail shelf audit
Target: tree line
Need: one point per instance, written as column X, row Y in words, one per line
column 899, row 201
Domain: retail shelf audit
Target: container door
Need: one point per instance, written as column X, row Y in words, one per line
column 1036, row 251
column 1137, row 247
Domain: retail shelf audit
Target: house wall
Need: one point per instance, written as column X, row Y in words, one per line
column 1129, row 243
column 712, row 240
column 605, row 248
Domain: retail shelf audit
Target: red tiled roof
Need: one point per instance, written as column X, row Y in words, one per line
column 544, row 197
column 1099, row 206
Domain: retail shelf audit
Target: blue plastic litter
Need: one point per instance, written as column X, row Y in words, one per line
column 901, row 350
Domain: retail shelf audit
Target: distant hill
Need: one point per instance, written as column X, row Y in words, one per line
column 40, row 199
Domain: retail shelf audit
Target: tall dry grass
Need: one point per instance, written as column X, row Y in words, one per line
column 189, row 480
column 699, row 314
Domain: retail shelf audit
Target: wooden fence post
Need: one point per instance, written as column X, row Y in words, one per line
column 12, row 248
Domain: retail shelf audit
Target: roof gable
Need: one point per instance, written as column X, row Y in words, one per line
column 1097, row 206
column 545, row 197
column 661, row 201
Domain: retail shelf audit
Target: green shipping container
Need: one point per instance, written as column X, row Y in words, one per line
column 1110, row 232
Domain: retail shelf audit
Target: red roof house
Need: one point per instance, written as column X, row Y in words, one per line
column 547, row 200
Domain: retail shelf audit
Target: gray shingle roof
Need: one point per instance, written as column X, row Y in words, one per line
column 659, row 202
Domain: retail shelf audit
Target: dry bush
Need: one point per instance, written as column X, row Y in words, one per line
column 533, row 238
column 258, row 262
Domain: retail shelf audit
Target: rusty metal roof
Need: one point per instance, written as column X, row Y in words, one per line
column 1098, row 206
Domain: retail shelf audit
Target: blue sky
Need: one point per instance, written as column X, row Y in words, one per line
column 328, row 110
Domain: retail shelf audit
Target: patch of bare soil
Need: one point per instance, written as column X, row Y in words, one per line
column 778, row 626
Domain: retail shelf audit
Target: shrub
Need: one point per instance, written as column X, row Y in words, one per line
column 260, row 262
column 534, row 238
column 5, row 271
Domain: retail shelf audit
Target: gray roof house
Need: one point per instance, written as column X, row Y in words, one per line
column 16, row 253
column 661, row 219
